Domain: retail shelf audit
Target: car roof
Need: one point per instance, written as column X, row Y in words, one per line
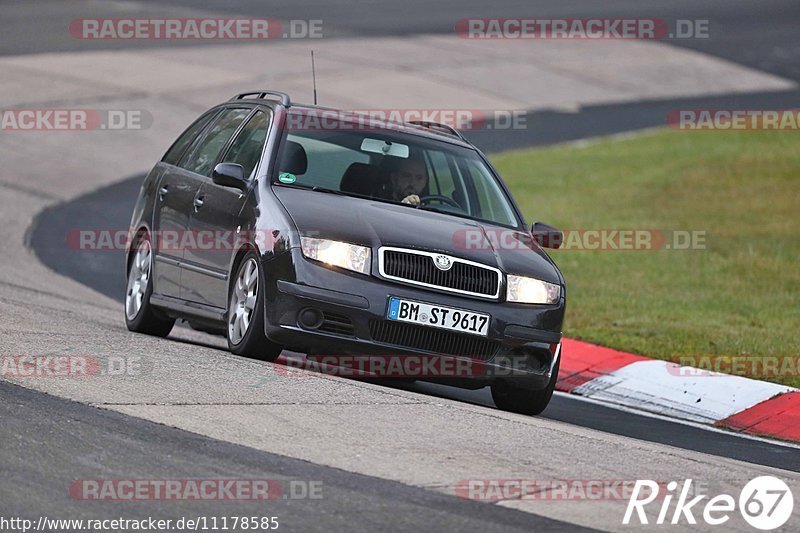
column 427, row 129
column 434, row 131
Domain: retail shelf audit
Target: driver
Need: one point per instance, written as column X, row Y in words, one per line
column 407, row 180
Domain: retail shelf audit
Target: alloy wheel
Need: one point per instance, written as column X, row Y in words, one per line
column 138, row 279
column 243, row 301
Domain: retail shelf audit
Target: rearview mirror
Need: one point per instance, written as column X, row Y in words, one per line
column 547, row 236
column 229, row 175
column 378, row 146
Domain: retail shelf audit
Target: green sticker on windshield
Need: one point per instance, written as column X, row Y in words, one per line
column 287, row 177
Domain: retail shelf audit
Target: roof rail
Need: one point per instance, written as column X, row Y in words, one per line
column 438, row 126
column 285, row 100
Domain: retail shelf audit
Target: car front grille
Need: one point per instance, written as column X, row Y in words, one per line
column 418, row 268
column 432, row 340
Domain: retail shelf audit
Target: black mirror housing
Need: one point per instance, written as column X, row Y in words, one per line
column 547, row 236
column 229, row 175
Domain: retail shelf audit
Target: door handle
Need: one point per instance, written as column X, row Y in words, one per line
column 198, row 203
column 162, row 192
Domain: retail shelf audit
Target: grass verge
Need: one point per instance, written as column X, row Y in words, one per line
column 740, row 295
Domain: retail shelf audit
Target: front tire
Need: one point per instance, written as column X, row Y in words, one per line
column 524, row 401
column 245, row 316
column 139, row 314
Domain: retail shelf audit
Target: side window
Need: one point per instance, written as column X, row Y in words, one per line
column 175, row 151
column 445, row 177
column 247, row 146
column 201, row 158
column 441, row 176
column 489, row 195
column 327, row 162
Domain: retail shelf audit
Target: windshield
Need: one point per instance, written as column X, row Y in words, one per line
column 390, row 166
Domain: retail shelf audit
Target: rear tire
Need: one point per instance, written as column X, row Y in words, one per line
column 244, row 324
column 139, row 314
column 524, row 401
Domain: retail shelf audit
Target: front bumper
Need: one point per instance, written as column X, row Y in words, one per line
column 523, row 342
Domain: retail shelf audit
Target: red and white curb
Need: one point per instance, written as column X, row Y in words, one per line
column 668, row 389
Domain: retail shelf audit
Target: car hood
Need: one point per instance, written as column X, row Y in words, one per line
column 374, row 223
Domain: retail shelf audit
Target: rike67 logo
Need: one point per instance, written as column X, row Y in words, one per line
column 766, row 503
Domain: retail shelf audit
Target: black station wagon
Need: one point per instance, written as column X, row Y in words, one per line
column 326, row 232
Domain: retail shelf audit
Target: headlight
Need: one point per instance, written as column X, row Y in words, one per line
column 531, row 291
column 340, row 254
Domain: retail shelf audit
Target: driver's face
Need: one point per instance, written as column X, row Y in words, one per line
column 410, row 178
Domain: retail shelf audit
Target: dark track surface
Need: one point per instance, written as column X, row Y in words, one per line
column 761, row 34
column 47, row 442
column 109, row 208
column 72, row 441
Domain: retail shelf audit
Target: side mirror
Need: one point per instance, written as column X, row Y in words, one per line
column 547, row 236
column 229, row 175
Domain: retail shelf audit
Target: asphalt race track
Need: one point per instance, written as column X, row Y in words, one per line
column 765, row 38
column 387, row 456
column 144, row 449
column 109, row 208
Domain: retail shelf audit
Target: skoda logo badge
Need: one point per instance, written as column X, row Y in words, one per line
column 442, row 262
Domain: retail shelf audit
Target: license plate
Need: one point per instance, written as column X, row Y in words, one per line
column 438, row 316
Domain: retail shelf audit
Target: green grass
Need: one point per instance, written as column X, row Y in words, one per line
column 740, row 295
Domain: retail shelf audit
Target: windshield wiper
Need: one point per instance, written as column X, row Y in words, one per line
column 317, row 188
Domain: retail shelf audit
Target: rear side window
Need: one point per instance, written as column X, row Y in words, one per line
column 201, row 158
column 247, row 146
column 175, row 152
column 327, row 162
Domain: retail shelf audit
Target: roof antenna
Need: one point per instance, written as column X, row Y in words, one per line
column 314, row 77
